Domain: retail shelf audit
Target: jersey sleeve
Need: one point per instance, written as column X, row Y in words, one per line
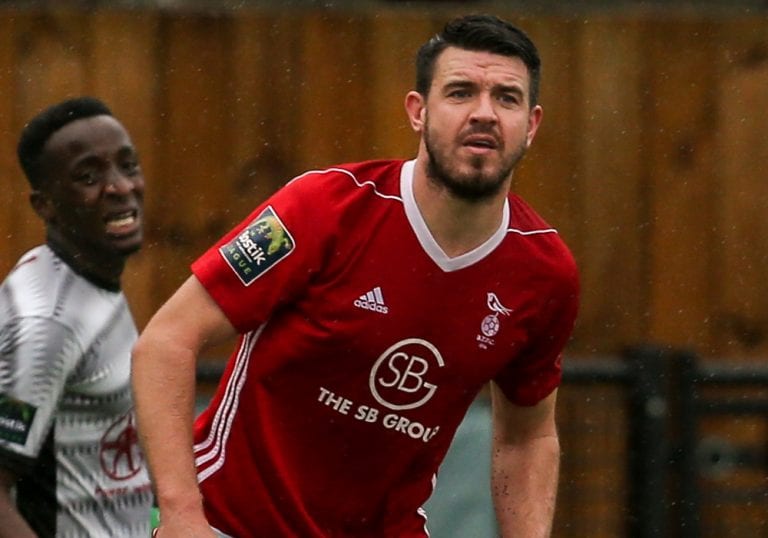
column 537, row 371
column 36, row 357
column 269, row 258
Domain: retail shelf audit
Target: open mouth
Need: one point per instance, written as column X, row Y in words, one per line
column 482, row 142
column 122, row 223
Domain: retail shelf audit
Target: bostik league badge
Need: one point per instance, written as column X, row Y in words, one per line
column 256, row 249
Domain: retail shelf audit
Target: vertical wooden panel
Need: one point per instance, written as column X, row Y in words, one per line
column 123, row 67
column 11, row 183
column 263, row 109
column 741, row 321
column 287, row 84
column 335, row 122
column 679, row 152
column 123, row 72
column 224, row 124
column 600, row 96
column 612, row 208
column 593, row 480
column 195, row 135
column 51, row 66
column 548, row 177
column 393, row 41
column 52, row 58
column 648, row 162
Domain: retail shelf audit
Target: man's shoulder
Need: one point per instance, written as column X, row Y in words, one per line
column 525, row 218
column 378, row 176
column 29, row 282
column 541, row 240
column 373, row 167
column 36, row 259
column 42, row 286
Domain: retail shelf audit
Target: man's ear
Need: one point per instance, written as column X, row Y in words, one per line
column 416, row 108
column 534, row 120
column 42, row 204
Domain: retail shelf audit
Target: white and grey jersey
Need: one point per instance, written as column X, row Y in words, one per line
column 67, row 425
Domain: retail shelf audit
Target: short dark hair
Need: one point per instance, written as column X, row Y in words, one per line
column 486, row 33
column 39, row 130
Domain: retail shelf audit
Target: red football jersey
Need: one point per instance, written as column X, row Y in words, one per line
column 363, row 346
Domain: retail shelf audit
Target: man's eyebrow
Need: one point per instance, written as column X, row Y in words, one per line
column 127, row 150
column 460, row 82
column 511, row 88
column 466, row 83
column 86, row 160
column 94, row 158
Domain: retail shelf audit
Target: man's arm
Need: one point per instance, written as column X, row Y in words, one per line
column 163, row 378
column 525, row 466
column 13, row 525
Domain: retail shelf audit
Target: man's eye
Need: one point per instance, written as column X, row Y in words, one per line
column 130, row 167
column 88, row 178
column 509, row 99
column 459, row 94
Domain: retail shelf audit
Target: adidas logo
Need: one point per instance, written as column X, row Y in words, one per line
column 373, row 300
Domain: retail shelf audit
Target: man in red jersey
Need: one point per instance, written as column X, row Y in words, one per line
column 373, row 301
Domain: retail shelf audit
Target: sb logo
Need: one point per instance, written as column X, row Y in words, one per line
column 399, row 378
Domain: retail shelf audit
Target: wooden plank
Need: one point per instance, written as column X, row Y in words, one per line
column 609, row 168
column 741, row 320
column 123, row 62
column 335, row 111
column 51, row 66
column 286, row 85
column 12, row 183
column 191, row 193
column 593, row 488
column 394, row 37
column 679, row 151
column 656, row 114
column 588, row 82
column 263, row 109
column 548, row 175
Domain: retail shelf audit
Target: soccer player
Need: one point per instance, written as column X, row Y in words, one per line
column 373, row 301
column 70, row 463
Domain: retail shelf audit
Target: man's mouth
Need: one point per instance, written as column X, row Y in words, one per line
column 481, row 142
column 122, row 223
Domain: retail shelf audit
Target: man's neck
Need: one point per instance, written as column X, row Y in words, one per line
column 457, row 225
column 105, row 275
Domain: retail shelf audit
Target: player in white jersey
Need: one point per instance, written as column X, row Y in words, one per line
column 70, row 464
column 373, row 301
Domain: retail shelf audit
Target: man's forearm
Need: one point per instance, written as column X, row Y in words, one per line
column 164, row 389
column 524, row 485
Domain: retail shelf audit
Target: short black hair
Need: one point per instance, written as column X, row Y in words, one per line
column 486, row 33
column 39, row 130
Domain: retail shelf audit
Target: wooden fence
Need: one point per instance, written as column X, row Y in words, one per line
column 649, row 161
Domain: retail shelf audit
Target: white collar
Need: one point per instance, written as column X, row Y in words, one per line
column 428, row 242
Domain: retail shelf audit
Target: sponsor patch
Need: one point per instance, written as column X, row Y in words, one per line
column 15, row 419
column 262, row 244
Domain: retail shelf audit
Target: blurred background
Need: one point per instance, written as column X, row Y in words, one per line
column 651, row 161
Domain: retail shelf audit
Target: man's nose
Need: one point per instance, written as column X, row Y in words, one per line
column 484, row 110
column 119, row 183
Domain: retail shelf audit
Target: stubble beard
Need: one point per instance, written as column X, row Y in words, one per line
column 476, row 185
